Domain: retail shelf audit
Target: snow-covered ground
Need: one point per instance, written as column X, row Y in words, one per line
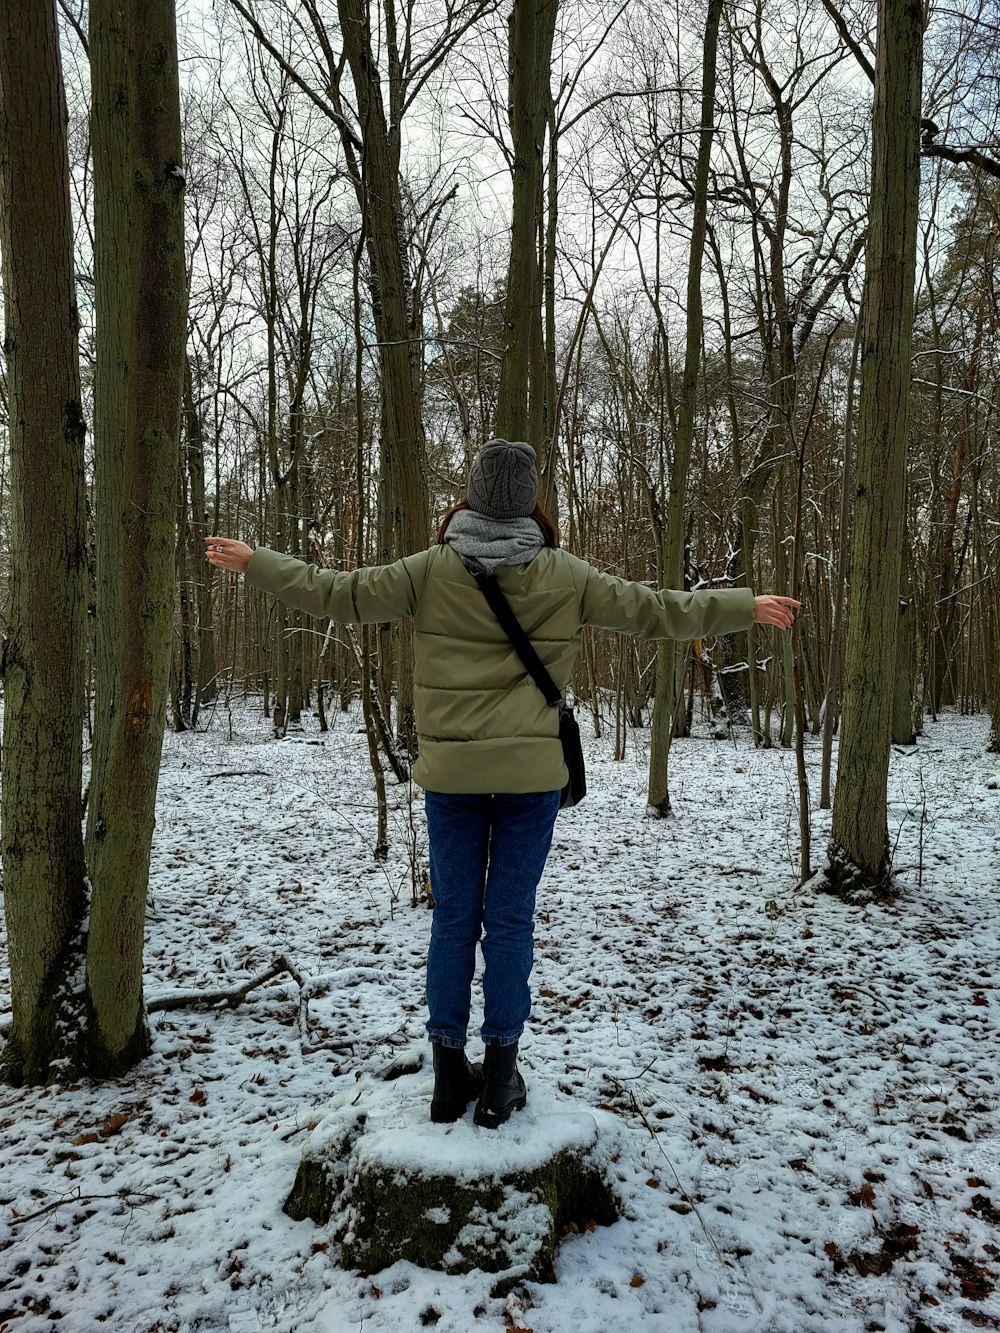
column 807, row 1092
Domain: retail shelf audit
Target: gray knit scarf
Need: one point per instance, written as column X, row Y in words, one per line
column 484, row 543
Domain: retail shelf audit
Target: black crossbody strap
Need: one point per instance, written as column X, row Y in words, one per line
column 522, row 644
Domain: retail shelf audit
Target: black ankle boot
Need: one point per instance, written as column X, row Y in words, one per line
column 504, row 1089
column 456, row 1082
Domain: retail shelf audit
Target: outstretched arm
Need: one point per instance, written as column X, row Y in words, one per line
column 652, row 613
column 358, row 597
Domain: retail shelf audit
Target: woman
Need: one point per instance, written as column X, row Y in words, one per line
column 490, row 760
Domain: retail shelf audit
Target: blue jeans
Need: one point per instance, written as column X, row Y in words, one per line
column 487, row 854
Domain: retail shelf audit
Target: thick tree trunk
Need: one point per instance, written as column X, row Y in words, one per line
column 404, row 520
column 42, row 665
column 670, row 658
column 403, row 496
column 351, row 1176
column 531, row 29
column 547, row 463
column 859, row 848
column 141, row 320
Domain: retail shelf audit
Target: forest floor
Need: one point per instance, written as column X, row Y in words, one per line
column 808, row 1090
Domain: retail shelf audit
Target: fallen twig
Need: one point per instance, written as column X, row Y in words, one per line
column 637, row 1107
column 126, row 1196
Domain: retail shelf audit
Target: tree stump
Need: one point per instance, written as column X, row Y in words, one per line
column 454, row 1198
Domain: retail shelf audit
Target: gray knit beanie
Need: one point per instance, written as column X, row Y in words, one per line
column 503, row 480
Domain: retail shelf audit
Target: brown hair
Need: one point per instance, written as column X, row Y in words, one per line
column 549, row 535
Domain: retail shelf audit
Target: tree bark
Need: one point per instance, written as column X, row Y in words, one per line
column 194, row 433
column 859, row 847
column 946, row 603
column 402, row 446
column 141, row 322
column 902, row 707
column 42, row 664
column 531, row 29
column 993, row 744
column 830, row 705
column 670, row 658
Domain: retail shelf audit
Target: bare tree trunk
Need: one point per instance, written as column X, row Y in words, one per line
column 404, row 503
column 547, row 464
column 946, row 581
column 859, row 848
column 194, row 432
column 42, row 664
column 181, row 672
column 531, row 29
column 670, row 658
column 830, row 706
column 993, row 745
column 141, row 323
column 403, row 465
column 902, row 707
column 795, row 670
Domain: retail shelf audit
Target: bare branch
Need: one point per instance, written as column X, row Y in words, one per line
column 341, row 123
column 76, row 25
column 973, row 155
column 845, row 33
column 928, row 148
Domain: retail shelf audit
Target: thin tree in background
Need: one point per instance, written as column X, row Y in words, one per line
column 371, row 140
column 859, row 848
column 839, row 582
column 141, row 296
column 993, row 745
column 404, row 504
column 671, row 658
column 205, row 686
column 42, row 666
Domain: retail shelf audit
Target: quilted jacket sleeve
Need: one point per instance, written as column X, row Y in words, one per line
column 358, row 597
column 650, row 613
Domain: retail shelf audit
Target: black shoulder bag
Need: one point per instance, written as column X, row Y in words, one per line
column 569, row 732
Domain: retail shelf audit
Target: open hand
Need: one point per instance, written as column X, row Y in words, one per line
column 769, row 609
column 226, row 554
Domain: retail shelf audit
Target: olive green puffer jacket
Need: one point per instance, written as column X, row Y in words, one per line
column 482, row 722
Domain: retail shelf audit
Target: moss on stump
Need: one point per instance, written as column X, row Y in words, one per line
column 454, row 1197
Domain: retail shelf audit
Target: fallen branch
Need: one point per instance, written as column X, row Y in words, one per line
column 309, row 989
column 126, row 1196
column 213, row 999
column 202, row 999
